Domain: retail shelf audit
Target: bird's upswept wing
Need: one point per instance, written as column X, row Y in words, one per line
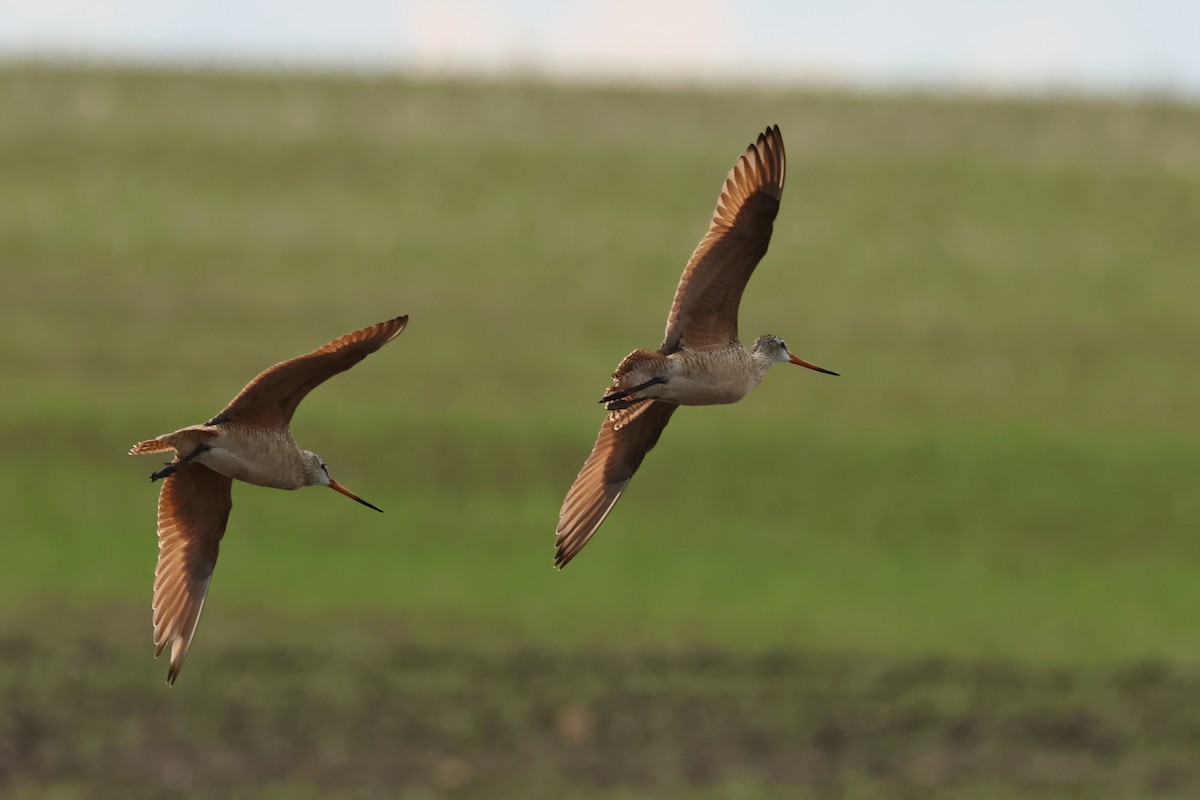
column 614, row 459
column 270, row 400
column 704, row 312
column 193, row 509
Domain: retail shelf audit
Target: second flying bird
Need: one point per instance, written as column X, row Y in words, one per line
column 701, row 362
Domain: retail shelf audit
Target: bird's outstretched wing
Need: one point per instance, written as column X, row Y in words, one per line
column 617, row 454
column 704, row 312
column 193, row 509
column 270, row 400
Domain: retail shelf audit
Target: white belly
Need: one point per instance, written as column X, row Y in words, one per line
column 240, row 468
column 701, row 390
column 695, row 382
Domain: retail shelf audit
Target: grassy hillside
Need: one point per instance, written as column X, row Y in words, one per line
column 1005, row 472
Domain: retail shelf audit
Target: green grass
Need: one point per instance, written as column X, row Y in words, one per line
column 1006, row 470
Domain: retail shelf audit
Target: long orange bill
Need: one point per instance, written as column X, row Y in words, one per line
column 337, row 487
column 803, row 363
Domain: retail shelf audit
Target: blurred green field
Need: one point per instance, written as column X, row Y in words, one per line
column 1004, row 474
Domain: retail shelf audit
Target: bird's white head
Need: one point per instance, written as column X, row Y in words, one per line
column 771, row 349
column 317, row 474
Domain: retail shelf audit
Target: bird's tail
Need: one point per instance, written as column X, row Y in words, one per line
column 639, row 371
column 149, row 447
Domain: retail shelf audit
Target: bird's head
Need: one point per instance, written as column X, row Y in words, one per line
column 317, row 474
column 772, row 349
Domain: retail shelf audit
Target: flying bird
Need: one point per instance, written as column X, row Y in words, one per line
column 248, row 441
column 701, row 362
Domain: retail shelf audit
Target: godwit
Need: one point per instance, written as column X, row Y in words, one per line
column 248, row 441
column 701, row 362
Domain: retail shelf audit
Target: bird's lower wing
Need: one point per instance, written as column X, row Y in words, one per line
column 193, row 509
column 617, row 455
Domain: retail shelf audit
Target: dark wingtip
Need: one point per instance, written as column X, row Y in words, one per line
column 562, row 558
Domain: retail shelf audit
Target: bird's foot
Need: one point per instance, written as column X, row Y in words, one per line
column 173, row 467
column 625, row 397
column 168, row 470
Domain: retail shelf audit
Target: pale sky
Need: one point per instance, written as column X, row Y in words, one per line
column 997, row 45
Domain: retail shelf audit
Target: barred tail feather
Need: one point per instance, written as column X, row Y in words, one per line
column 149, row 447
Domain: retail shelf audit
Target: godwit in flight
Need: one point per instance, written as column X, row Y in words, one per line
column 701, row 362
column 248, row 441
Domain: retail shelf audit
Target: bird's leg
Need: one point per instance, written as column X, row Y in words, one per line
column 172, row 467
column 616, row 397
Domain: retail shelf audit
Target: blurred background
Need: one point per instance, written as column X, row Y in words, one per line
column 969, row 567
